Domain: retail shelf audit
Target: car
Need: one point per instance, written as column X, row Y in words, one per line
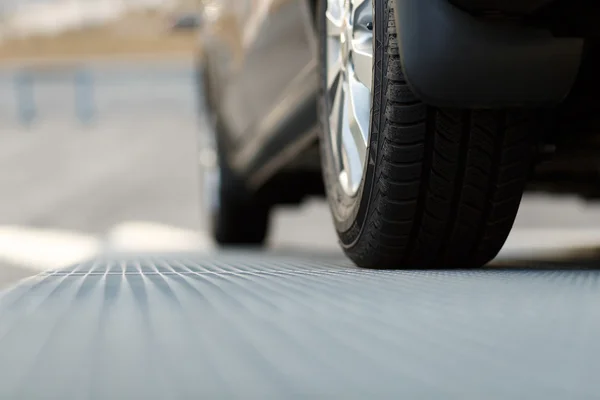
column 185, row 22
column 422, row 122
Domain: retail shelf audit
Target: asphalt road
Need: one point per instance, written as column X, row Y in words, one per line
column 130, row 180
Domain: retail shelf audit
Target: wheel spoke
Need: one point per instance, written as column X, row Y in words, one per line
column 362, row 59
column 336, row 118
column 362, row 42
column 362, row 14
column 359, row 114
column 357, row 3
column 334, row 65
column 350, row 152
column 333, row 15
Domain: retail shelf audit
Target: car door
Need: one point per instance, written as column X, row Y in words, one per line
column 256, row 48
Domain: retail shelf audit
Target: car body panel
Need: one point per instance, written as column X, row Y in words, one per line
column 259, row 47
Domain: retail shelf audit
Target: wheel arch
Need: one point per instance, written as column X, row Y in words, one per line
column 451, row 58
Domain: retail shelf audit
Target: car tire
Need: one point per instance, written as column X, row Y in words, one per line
column 440, row 188
column 236, row 217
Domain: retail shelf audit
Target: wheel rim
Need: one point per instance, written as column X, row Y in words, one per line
column 349, row 29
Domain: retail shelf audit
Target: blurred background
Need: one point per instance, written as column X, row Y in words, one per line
column 99, row 131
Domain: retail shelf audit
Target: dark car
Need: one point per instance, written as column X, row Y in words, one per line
column 422, row 121
column 185, row 22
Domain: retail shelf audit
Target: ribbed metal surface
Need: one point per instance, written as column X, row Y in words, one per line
column 276, row 327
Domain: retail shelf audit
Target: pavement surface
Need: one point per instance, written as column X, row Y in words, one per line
column 129, row 180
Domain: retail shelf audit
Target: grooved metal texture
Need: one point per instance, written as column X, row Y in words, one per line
column 255, row 326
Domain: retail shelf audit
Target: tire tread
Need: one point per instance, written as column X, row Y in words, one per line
column 448, row 182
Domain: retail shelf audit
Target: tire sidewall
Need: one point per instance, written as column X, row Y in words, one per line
column 350, row 212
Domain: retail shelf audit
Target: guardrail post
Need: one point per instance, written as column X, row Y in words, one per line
column 84, row 96
column 25, row 98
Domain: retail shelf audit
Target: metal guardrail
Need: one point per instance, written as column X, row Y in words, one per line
column 91, row 93
column 27, row 107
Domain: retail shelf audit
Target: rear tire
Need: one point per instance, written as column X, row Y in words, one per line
column 236, row 217
column 440, row 188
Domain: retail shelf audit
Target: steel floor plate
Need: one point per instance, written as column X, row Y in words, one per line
column 255, row 326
